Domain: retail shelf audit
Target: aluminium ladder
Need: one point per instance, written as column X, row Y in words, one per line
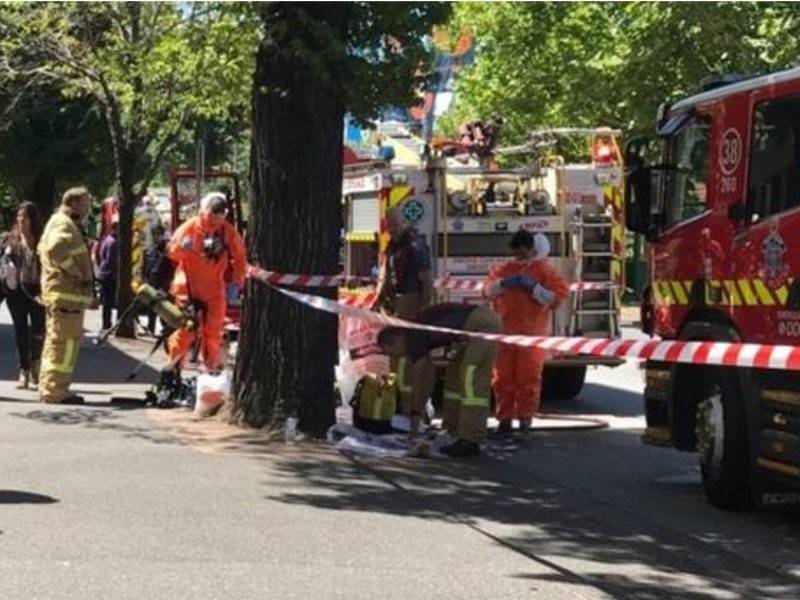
column 595, row 311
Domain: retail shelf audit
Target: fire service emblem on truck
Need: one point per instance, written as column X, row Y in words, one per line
column 413, row 211
column 775, row 269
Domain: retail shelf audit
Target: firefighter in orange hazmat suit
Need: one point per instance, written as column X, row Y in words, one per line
column 524, row 291
column 207, row 252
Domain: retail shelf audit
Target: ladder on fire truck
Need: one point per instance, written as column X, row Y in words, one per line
column 595, row 298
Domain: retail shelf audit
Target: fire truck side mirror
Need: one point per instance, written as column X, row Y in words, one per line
column 638, row 200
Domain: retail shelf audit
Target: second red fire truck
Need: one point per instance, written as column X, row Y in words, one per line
column 720, row 207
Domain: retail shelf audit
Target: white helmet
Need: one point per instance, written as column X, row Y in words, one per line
column 215, row 202
column 541, row 246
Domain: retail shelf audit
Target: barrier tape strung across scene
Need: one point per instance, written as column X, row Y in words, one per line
column 475, row 285
column 701, row 353
column 364, row 301
column 311, row 281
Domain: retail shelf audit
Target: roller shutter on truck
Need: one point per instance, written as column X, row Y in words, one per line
column 364, row 214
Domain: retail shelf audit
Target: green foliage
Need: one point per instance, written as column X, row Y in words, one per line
column 598, row 63
column 49, row 143
column 369, row 55
column 388, row 54
column 153, row 68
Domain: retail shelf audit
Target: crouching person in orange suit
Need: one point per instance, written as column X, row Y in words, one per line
column 207, row 252
column 524, row 292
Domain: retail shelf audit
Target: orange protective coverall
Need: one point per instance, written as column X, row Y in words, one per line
column 198, row 277
column 517, row 376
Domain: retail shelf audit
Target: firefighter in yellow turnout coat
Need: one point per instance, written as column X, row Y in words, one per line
column 67, row 291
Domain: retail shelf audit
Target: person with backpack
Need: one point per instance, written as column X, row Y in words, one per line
column 20, row 270
column 207, row 252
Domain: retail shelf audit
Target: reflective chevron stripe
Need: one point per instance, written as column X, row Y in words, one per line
column 725, row 292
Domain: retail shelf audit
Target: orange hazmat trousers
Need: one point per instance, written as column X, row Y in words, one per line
column 517, row 375
column 201, row 278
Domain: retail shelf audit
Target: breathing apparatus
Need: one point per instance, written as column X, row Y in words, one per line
column 173, row 315
column 213, row 246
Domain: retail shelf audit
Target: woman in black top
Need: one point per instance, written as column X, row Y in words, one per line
column 22, row 287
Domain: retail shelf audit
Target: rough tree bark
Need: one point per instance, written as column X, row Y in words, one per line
column 288, row 351
column 127, row 206
column 43, row 192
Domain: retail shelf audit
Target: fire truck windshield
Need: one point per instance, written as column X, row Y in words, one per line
column 687, row 172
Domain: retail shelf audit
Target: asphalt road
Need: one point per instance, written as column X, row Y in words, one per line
column 99, row 502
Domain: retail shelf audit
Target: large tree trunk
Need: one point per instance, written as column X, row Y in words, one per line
column 287, row 350
column 127, row 200
column 43, row 192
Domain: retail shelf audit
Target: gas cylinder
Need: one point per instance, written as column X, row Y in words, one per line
column 156, row 300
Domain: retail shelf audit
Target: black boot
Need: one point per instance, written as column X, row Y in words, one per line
column 462, row 448
column 166, row 389
column 73, row 399
column 503, row 430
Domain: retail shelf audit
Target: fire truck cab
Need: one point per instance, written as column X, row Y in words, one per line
column 720, row 207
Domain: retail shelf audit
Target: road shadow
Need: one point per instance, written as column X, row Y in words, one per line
column 8, row 353
column 94, row 417
column 96, row 364
column 19, row 497
column 109, row 364
column 626, row 553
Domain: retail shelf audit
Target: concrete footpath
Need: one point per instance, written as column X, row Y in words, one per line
column 102, row 502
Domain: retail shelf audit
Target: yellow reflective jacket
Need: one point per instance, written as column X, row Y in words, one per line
column 67, row 280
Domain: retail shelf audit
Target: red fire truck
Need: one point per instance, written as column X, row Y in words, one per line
column 720, row 209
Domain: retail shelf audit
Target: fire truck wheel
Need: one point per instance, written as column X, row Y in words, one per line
column 722, row 444
column 562, row 383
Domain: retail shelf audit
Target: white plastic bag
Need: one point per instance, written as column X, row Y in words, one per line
column 212, row 391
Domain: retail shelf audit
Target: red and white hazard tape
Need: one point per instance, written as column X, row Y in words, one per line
column 450, row 283
column 700, row 353
column 294, row 280
column 273, row 278
column 477, row 285
column 364, row 301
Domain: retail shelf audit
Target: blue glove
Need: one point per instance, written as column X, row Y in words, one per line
column 232, row 294
column 187, row 243
column 526, row 283
column 510, row 282
column 542, row 295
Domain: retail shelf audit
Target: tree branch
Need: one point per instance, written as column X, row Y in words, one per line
column 164, row 147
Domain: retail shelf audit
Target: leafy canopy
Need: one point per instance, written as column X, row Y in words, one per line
column 152, row 67
column 369, row 55
column 603, row 63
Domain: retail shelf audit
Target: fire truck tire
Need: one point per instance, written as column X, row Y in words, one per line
column 562, row 383
column 722, row 444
